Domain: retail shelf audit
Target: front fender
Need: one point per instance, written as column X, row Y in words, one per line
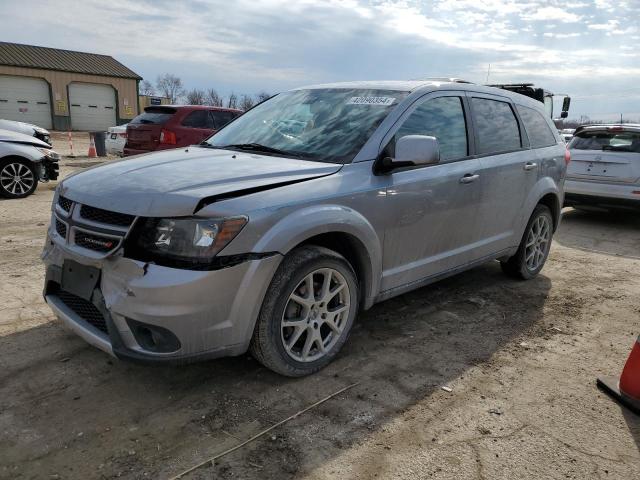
column 28, row 152
column 301, row 225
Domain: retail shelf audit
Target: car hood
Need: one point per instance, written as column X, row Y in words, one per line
column 15, row 137
column 21, row 127
column 177, row 182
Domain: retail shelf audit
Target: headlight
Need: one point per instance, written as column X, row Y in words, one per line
column 183, row 239
column 50, row 154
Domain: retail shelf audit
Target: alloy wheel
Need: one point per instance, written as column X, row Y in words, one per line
column 537, row 244
column 17, row 178
column 315, row 315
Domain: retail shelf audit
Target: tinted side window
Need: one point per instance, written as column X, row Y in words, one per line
column 222, row 118
column 443, row 118
column 497, row 126
column 198, row 119
column 540, row 135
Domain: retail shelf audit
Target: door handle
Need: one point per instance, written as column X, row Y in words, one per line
column 468, row 178
column 530, row 165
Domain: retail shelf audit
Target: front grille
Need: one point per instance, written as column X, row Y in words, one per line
column 64, row 203
column 61, row 228
column 97, row 243
column 84, row 309
column 105, row 216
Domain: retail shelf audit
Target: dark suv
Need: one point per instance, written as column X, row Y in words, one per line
column 172, row 126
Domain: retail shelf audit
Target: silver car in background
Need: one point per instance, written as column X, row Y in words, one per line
column 271, row 235
column 24, row 161
column 605, row 167
column 26, row 129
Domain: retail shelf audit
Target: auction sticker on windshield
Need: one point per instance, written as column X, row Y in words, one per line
column 371, row 101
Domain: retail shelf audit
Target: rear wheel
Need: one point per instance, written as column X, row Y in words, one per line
column 17, row 178
column 307, row 313
column 534, row 247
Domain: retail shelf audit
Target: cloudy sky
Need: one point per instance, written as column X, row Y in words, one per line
column 587, row 48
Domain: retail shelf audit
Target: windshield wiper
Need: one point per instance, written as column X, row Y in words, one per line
column 257, row 147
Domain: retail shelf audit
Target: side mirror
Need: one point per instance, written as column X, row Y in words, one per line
column 412, row 150
column 565, row 105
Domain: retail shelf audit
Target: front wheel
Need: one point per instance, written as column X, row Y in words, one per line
column 307, row 312
column 534, row 247
column 17, row 178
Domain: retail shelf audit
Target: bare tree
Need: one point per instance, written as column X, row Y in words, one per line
column 262, row 96
column 233, row 101
column 246, row 102
column 170, row 86
column 195, row 97
column 212, row 98
column 146, row 88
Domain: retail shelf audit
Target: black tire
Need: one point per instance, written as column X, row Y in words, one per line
column 516, row 266
column 267, row 344
column 11, row 190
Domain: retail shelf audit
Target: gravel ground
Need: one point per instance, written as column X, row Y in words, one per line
column 520, row 358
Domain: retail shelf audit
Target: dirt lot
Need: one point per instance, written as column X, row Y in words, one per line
column 521, row 359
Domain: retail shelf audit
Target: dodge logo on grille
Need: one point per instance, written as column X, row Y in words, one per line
column 99, row 243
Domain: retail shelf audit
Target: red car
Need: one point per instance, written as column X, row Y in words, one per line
column 172, row 126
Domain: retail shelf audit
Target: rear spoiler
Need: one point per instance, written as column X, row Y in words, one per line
column 610, row 127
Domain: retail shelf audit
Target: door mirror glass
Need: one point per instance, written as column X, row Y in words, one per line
column 565, row 105
column 416, row 150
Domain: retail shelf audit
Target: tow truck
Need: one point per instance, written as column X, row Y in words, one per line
column 540, row 94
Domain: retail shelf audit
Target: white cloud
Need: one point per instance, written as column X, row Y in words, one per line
column 551, row 14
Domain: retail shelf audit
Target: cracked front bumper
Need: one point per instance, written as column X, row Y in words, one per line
column 210, row 313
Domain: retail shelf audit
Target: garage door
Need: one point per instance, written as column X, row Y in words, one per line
column 25, row 99
column 92, row 106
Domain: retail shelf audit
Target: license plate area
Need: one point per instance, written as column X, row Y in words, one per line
column 80, row 280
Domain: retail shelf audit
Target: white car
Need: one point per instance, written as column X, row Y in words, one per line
column 26, row 129
column 116, row 138
column 605, row 167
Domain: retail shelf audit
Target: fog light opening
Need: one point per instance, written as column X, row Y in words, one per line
column 153, row 338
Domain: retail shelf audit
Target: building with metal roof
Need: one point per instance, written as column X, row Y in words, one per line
column 63, row 89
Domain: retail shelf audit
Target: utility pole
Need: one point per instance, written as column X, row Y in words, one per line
column 488, row 72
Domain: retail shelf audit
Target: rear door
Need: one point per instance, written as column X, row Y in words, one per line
column 611, row 155
column 143, row 132
column 432, row 209
column 509, row 170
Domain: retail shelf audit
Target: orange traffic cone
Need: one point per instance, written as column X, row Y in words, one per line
column 627, row 389
column 92, row 147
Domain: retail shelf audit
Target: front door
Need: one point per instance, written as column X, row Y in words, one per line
column 431, row 210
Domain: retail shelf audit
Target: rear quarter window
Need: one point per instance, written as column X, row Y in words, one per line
column 496, row 126
column 537, row 128
column 198, row 119
column 222, row 118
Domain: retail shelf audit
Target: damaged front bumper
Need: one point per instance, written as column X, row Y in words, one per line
column 145, row 312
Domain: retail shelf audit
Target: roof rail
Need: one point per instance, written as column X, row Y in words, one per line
column 444, row 79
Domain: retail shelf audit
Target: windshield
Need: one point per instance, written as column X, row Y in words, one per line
column 614, row 141
column 329, row 125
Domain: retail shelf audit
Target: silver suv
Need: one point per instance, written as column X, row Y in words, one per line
column 321, row 201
